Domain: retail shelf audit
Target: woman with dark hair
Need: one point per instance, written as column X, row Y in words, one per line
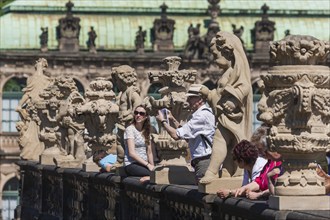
column 246, row 156
column 139, row 158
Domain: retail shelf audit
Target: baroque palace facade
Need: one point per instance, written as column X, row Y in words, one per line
column 86, row 39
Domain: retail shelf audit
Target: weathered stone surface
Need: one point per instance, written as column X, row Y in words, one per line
column 231, row 103
column 299, row 202
column 162, row 32
column 296, row 103
column 173, row 92
column 67, row 32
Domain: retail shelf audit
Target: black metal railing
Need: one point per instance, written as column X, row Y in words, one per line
column 54, row 193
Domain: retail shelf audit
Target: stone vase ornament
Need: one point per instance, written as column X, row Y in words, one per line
column 296, row 104
column 173, row 167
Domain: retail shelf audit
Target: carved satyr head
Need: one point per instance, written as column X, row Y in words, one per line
column 125, row 74
column 299, row 50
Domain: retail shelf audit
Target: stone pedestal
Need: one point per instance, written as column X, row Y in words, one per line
column 68, row 161
column 47, row 157
column 299, row 202
column 68, row 45
column 90, row 166
column 181, row 175
column 224, row 183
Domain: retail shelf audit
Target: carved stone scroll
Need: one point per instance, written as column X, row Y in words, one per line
column 173, row 167
column 100, row 115
column 296, row 103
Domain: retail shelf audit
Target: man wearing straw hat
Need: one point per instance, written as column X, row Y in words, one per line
column 198, row 131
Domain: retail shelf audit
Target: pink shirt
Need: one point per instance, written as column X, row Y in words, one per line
column 261, row 180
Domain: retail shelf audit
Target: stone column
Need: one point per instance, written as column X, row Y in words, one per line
column 296, row 104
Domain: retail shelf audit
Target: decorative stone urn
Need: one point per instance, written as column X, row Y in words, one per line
column 296, row 104
column 173, row 168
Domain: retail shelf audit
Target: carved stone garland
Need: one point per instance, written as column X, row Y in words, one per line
column 296, row 103
column 171, row 152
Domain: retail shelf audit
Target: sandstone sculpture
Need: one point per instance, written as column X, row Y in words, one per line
column 139, row 40
column 296, row 103
column 100, row 115
column 31, row 146
column 60, row 128
column 231, row 102
column 128, row 99
column 173, row 166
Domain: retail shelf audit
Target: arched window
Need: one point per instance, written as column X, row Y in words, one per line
column 12, row 93
column 10, row 198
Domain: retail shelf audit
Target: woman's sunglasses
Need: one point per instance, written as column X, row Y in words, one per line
column 139, row 113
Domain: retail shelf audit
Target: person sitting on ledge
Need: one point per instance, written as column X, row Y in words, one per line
column 139, row 158
column 246, row 155
column 104, row 160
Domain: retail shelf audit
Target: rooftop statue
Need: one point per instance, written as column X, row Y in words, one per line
column 128, row 99
column 231, row 102
column 44, row 39
column 31, row 146
column 162, row 32
column 172, row 153
column 68, row 30
column 139, row 40
column 194, row 47
column 91, row 40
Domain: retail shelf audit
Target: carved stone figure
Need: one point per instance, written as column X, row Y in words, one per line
column 162, row 32
column 139, row 40
column 44, row 39
column 238, row 32
column 71, row 124
column 296, row 103
column 100, row 115
column 212, row 29
column 263, row 32
column 31, row 146
column 194, row 47
column 91, row 40
column 173, row 166
column 61, row 129
column 128, row 99
column 231, row 102
column 67, row 32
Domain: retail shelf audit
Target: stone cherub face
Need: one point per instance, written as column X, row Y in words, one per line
column 124, row 75
column 222, row 52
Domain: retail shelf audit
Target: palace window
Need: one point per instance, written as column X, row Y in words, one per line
column 12, row 93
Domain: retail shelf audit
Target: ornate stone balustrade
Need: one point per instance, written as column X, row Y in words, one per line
column 54, row 193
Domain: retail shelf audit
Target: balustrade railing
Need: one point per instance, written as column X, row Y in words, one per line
column 54, row 193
